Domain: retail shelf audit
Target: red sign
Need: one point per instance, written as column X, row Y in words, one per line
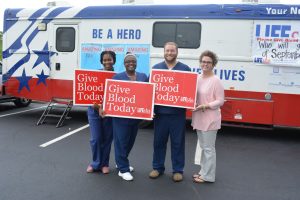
column 174, row 88
column 89, row 85
column 129, row 99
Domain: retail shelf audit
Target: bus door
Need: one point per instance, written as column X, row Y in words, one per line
column 63, row 45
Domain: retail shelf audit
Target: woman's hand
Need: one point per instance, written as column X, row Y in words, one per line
column 96, row 106
column 101, row 111
column 201, row 107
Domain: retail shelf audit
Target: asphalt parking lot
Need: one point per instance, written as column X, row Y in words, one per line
column 251, row 164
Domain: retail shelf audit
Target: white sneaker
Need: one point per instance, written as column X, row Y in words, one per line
column 126, row 176
column 131, row 169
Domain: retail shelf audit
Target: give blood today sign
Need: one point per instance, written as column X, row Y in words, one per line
column 89, row 85
column 129, row 99
column 174, row 88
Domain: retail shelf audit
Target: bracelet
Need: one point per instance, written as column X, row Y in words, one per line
column 204, row 107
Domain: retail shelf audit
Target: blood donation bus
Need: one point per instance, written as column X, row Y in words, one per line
column 258, row 48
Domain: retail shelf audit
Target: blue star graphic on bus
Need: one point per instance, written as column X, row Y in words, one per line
column 42, row 78
column 43, row 56
column 23, row 81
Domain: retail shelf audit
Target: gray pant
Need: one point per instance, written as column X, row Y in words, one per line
column 206, row 153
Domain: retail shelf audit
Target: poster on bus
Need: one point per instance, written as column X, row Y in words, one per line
column 174, row 88
column 128, row 99
column 89, row 85
column 90, row 55
column 276, row 43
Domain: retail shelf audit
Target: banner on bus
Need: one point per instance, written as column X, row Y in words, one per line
column 90, row 55
column 129, row 99
column 174, row 88
column 276, row 43
column 89, row 85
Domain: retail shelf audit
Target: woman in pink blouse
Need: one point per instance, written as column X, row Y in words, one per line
column 207, row 116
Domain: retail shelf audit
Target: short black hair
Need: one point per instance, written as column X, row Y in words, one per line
column 111, row 53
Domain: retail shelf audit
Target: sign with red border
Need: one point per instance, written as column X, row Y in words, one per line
column 174, row 88
column 129, row 99
column 89, row 85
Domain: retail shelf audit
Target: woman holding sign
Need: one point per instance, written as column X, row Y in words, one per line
column 207, row 117
column 125, row 129
column 101, row 128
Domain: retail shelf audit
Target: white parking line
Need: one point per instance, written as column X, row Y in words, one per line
column 63, row 136
column 22, row 111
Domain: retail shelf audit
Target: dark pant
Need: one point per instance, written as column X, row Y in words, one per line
column 165, row 125
column 124, row 138
column 101, row 138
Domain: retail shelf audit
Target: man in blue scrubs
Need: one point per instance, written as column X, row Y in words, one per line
column 169, row 121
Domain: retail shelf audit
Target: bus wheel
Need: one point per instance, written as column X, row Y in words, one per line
column 22, row 102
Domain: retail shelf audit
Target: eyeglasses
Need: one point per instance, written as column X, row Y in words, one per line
column 206, row 62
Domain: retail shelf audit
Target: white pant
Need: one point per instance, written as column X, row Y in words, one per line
column 205, row 154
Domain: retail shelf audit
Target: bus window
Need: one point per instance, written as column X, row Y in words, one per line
column 65, row 39
column 185, row 34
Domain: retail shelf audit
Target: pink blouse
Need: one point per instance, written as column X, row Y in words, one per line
column 210, row 91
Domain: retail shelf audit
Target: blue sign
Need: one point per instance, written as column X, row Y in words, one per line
column 90, row 56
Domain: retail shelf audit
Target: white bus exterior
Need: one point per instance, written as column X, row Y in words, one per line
column 258, row 48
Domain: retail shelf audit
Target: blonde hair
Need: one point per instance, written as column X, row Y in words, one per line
column 171, row 43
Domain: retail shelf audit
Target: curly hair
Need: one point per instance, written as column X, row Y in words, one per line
column 210, row 54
